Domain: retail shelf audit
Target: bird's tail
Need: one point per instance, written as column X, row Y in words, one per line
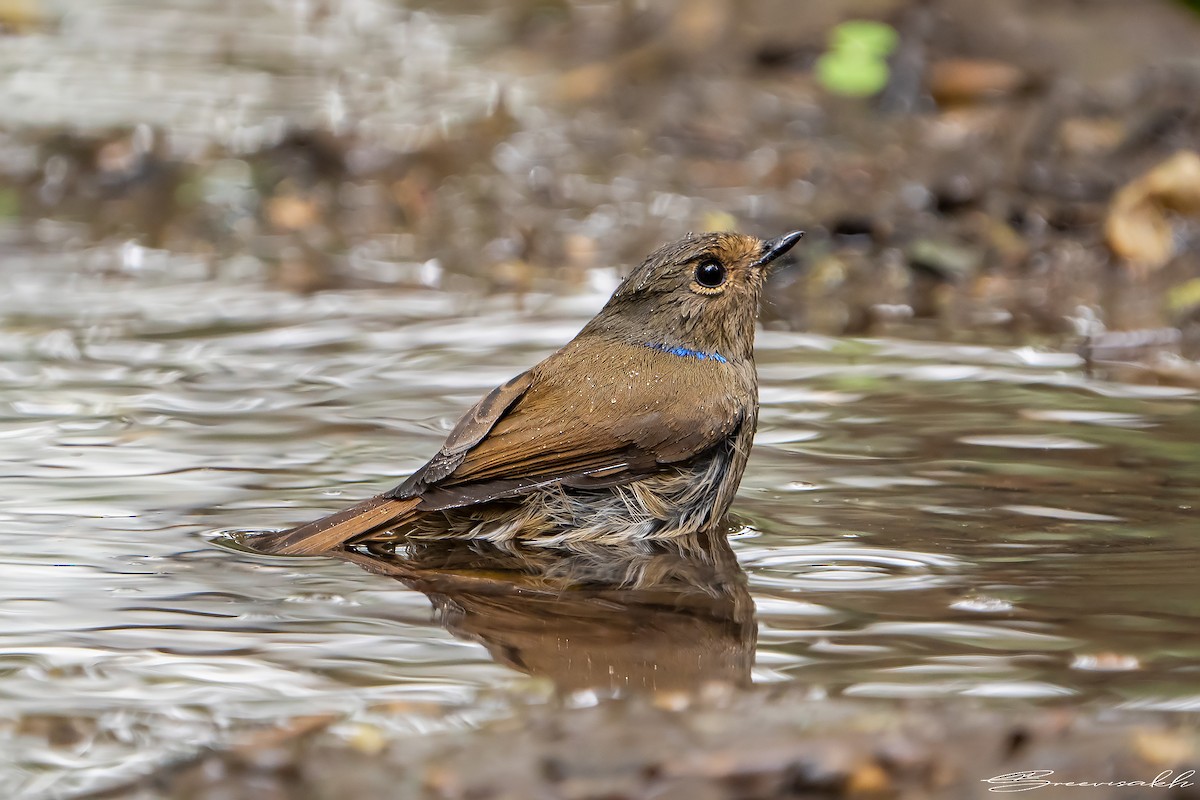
column 328, row 532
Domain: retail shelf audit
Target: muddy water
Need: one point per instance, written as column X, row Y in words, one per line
column 916, row 520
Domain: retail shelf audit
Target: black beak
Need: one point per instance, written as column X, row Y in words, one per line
column 774, row 248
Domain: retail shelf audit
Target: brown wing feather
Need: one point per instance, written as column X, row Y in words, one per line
column 619, row 411
column 469, row 431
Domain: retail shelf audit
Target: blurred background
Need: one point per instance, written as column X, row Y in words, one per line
column 256, row 256
column 1025, row 171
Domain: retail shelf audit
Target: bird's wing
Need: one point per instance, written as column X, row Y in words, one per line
column 585, row 417
column 469, row 431
column 394, row 508
column 582, row 418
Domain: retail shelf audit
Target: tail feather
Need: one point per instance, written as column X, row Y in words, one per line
column 328, row 532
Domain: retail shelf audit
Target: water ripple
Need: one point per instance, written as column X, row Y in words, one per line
column 917, row 520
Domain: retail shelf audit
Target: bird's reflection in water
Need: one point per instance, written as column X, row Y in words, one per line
column 669, row 615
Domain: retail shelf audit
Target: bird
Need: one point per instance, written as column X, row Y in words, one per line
column 639, row 428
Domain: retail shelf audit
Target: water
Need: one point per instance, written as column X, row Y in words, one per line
column 236, row 73
column 916, row 520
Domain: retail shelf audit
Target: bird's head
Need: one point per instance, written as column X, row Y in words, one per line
column 698, row 294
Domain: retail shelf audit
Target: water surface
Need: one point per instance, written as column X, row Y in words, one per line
column 916, row 520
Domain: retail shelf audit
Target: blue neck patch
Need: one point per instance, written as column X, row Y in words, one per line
column 684, row 352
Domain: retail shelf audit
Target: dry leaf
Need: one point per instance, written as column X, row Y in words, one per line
column 1137, row 227
column 868, row 778
column 964, row 80
column 22, row 16
column 1163, row 748
column 292, row 212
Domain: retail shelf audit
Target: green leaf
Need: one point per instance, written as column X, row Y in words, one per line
column 10, row 203
column 1184, row 296
column 855, row 63
column 851, row 74
column 864, row 36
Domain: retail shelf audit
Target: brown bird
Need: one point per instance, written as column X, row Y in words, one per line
column 639, row 428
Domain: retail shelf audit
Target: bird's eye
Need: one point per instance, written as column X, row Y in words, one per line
column 710, row 274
